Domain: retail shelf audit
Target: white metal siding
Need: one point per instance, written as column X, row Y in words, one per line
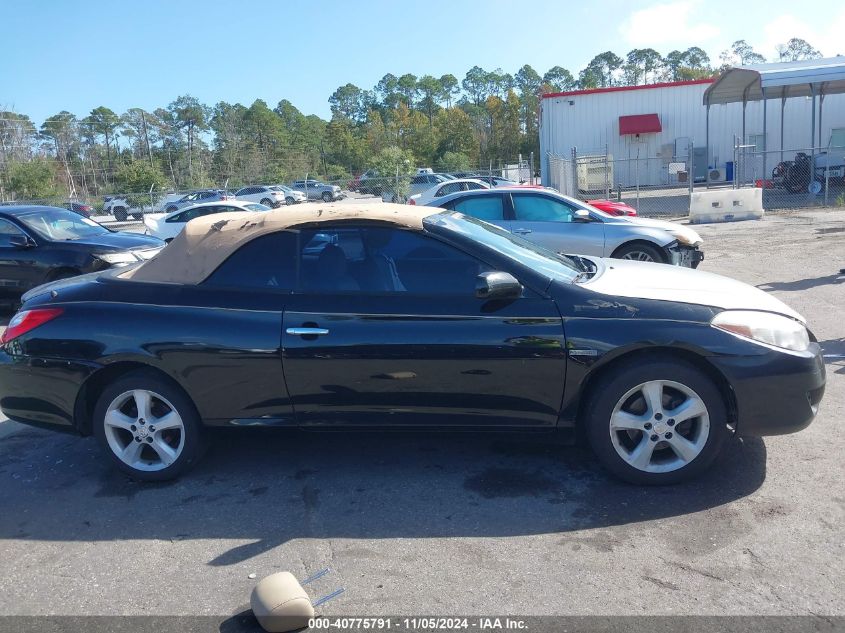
column 590, row 122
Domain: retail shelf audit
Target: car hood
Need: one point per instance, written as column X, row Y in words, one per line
column 118, row 241
column 645, row 280
column 683, row 233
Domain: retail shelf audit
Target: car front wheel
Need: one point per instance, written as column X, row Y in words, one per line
column 120, row 214
column 148, row 426
column 327, row 197
column 656, row 422
column 289, row 201
column 640, row 253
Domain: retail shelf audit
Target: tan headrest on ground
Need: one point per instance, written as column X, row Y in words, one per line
column 280, row 603
column 206, row 242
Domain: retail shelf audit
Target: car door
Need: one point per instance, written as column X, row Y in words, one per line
column 385, row 330
column 550, row 222
column 19, row 266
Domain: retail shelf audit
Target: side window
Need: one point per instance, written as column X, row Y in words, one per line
column 487, row 208
column 205, row 195
column 418, row 180
column 472, row 186
column 7, row 232
column 533, row 208
column 445, row 190
column 383, row 260
column 268, row 261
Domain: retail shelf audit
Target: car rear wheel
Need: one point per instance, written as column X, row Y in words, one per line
column 327, row 197
column 268, row 203
column 137, row 216
column 656, row 422
column 640, row 253
column 148, row 426
column 289, row 201
column 120, row 214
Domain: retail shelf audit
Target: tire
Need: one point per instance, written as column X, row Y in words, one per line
column 619, row 400
column 120, row 214
column 137, row 216
column 182, row 443
column 289, row 201
column 327, row 197
column 638, row 251
column 268, row 203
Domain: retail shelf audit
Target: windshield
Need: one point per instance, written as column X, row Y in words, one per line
column 552, row 265
column 58, row 224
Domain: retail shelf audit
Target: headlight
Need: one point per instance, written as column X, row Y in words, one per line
column 764, row 327
column 117, row 259
column 685, row 236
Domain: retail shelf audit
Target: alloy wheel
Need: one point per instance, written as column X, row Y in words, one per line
column 638, row 256
column 144, row 430
column 659, row 426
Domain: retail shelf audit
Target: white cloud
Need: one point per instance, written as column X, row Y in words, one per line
column 828, row 39
column 669, row 24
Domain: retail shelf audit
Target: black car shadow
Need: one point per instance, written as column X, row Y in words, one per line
column 834, row 354
column 271, row 487
column 803, row 284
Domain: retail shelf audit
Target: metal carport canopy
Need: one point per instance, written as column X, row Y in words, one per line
column 780, row 80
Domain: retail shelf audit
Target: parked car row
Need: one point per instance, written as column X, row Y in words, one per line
column 397, row 316
column 122, row 207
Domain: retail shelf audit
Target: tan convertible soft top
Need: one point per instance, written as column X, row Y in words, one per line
column 206, row 242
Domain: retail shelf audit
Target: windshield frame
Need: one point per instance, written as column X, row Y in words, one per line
column 518, row 252
column 24, row 219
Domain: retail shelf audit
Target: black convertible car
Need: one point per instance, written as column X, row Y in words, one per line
column 393, row 316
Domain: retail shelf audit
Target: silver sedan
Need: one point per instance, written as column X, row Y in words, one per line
column 566, row 225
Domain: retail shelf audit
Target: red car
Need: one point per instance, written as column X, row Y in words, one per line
column 612, row 207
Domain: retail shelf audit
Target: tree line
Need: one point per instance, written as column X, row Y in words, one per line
column 488, row 117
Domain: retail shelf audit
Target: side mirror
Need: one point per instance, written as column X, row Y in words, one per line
column 582, row 216
column 20, row 241
column 497, row 285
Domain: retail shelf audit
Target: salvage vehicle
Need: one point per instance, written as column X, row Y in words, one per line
column 166, row 226
column 377, row 316
column 566, row 225
column 40, row 244
column 316, row 190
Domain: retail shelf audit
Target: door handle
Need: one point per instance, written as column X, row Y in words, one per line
column 522, row 231
column 307, row 331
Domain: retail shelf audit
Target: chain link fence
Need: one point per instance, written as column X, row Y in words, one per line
column 120, row 206
column 793, row 179
column 661, row 186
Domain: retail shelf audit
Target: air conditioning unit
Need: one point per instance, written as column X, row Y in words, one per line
column 718, row 174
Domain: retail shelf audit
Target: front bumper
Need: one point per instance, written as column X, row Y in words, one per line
column 776, row 392
column 686, row 256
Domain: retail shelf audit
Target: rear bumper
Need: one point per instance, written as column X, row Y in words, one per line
column 777, row 392
column 41, row 392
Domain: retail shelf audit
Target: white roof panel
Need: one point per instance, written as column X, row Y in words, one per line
column 783, row 79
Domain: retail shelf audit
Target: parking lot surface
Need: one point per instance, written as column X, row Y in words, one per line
column 458, row 523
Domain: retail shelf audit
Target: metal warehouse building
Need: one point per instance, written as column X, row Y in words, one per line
column 649, row 131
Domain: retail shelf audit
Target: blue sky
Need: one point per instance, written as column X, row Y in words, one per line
column 75, row 55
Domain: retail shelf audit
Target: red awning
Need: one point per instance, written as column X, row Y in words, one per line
column 639, row 124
